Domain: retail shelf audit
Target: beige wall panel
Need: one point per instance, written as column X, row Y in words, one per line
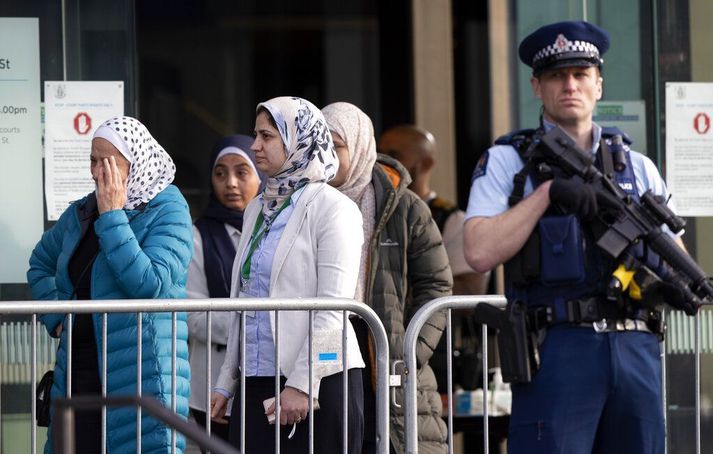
column 501, row 84
column 433, row 86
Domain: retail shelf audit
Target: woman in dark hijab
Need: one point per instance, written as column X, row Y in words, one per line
column 235, row 181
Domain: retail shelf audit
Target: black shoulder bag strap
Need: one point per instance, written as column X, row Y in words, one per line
column 606, row 158
column 526, row 150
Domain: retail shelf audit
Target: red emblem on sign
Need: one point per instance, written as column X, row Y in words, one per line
column 82, row 123
column 701, row 123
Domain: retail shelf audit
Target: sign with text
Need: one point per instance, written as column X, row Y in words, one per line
column 21, row 223
column 73, row 110
column 689, row 147
column 628, row 116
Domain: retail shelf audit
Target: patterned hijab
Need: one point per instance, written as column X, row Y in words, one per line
column 310, row 151
column 357, row 131
column 151, row 169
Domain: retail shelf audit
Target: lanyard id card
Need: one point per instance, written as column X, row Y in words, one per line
column 255, row 238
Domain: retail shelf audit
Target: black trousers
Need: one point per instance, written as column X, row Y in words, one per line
column 85, row 381
column 362, row 333
column 328, row 420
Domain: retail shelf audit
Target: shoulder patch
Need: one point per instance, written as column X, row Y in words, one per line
column 481, row 167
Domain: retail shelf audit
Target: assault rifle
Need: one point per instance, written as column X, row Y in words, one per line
column 623, row 222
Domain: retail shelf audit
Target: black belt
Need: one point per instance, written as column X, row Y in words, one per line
column 601, row 314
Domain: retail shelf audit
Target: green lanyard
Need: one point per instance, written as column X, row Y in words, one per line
column 255, row 239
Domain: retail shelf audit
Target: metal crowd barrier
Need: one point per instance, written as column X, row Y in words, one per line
column 277, row 305
column 685, row 335
column 410, row 376
column 64, row 424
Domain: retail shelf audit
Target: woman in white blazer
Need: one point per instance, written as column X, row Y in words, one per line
column 302, row 238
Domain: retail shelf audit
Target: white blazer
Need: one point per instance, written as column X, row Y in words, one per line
column 197, row 287
column 317, row 256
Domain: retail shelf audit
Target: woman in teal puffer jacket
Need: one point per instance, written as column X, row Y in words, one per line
column 129, row 239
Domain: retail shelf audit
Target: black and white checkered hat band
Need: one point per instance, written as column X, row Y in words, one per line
column 577, row 47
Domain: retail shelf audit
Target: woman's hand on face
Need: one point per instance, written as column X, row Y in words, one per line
column 218, row 407
column 295, row 406
column 111, row 190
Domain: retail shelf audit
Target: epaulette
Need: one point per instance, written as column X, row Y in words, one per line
column 515, row 138
column 610, row 131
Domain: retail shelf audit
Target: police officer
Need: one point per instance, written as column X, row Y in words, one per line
column 598, row 387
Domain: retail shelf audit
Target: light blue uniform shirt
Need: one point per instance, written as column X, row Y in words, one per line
column 259, row 345
column 493, row 178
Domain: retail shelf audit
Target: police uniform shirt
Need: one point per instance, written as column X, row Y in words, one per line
column 492, row 181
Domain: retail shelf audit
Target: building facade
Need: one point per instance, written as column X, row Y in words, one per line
column 194, row 71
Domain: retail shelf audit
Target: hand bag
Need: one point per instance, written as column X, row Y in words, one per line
column 42, row 399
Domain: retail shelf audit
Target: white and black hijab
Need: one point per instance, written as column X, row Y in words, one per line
column 310, row 153
column 151, row 169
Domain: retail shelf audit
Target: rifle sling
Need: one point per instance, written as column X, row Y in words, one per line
column 606, row 157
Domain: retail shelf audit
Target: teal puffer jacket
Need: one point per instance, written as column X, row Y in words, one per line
column 144, row 253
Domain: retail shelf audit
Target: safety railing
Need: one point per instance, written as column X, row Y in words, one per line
column 685, row 335
column 63, row 427
column 410, row 372
column 243, row 305
column 15, row 361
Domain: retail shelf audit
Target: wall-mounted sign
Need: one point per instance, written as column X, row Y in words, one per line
column 73, row 110
column 628, row 116
column 21, row 222
column 689, row 147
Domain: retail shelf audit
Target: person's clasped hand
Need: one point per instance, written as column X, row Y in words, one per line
column 295, row 406
column 574, row 197
column 111, row 189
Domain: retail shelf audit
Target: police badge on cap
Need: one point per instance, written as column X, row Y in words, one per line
column 564, row 44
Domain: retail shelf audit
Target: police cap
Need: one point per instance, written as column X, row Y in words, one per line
column 564, row 44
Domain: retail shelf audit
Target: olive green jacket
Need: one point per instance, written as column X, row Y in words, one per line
column 408, row 267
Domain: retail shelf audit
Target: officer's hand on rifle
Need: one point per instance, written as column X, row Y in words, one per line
column 672, row 295
column 575, row 197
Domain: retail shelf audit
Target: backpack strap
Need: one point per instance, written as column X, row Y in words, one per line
column 525, row 141
column 606, row 158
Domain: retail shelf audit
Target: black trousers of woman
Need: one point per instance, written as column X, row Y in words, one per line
column 85, row 381
column 328, row 420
